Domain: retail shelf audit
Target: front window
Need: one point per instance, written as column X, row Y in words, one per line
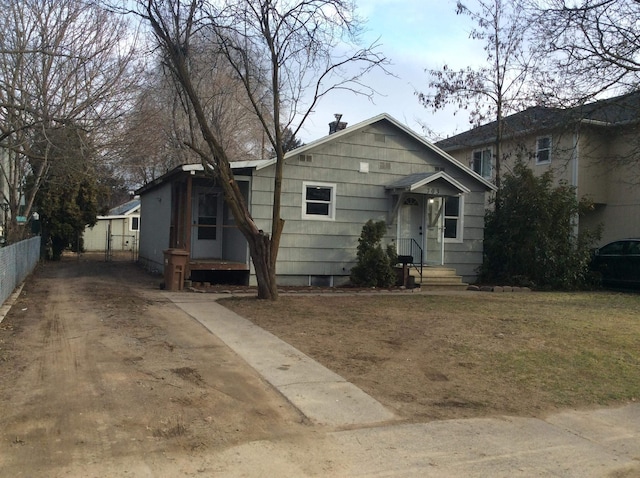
column 543, row 150
column 134, row 223
column 318, row 201
column 481, row 163
column 453, row 218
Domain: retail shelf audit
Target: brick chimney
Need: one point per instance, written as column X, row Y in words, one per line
column 337, row 125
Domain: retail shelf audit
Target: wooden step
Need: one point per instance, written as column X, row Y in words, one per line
column 438, row 278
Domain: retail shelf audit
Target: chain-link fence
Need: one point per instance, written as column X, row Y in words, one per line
column 17, row 261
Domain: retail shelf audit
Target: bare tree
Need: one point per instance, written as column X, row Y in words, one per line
column 490, row 92
column 62, row 62
column 287, row 55
column 594, row 45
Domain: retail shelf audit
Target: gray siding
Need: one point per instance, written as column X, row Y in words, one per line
column 328, row 247
column 155, row 228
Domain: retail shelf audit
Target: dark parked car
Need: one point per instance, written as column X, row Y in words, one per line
column 618, row 263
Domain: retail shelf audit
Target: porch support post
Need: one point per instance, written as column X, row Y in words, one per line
column 188, row 214
column 394, row 211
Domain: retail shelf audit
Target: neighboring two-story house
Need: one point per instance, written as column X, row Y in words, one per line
column 594, row 147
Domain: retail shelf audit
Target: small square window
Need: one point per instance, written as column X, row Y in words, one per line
column 543, row 150
column 318, row 201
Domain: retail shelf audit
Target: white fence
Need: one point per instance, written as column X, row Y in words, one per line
column 17, row 261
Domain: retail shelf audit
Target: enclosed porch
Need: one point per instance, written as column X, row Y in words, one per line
column 202, row 226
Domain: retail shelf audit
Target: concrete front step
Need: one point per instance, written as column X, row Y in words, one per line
column 442, row 286
column 438, row 277
column 434, row 272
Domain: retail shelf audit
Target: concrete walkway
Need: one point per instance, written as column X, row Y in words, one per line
column 367, row 442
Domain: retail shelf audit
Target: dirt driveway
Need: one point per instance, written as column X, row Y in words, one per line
column 100, row 376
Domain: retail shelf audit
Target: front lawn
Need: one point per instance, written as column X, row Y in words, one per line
column 475, row 354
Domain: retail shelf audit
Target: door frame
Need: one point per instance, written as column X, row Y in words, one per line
column 422, row 229
column 206, row 248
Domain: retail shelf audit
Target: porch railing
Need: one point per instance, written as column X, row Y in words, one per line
column 410, row 253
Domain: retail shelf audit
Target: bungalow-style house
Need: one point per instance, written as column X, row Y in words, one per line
column 379, row 169
column 117, row 231
column 594, row 147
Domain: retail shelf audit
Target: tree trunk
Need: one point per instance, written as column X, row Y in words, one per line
column 260, row 247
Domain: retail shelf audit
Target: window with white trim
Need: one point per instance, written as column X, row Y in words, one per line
column 318, row 201
column 453, row 218
column 543, row 150
column 134, row 223
column 481, row 162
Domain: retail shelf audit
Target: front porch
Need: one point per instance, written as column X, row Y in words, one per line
column 216, row 271
column 427, row 211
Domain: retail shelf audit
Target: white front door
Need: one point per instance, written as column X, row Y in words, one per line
column 420, row 223
column 206, row 231
column 411, row 228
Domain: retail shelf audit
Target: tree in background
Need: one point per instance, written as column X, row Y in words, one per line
column 62, row 62
column 501, row 87
column 68, row 200
column 286, row 56
column 530, row 239
column 593, row 45
column 375, row 267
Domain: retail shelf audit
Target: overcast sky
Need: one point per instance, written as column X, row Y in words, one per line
column 414, row 35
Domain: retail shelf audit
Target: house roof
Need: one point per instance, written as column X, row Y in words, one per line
column 126, row 208
column 616, row 111
column 197, row 168
column 414, row 181
column 388, row 118
column 264, row 163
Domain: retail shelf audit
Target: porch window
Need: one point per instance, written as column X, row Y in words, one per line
column 453, row 218
column 543, row 150
column 207, row 216
column 481, row 162
column 318, row 201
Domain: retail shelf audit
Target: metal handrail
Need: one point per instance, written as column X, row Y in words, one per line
column 409, row 249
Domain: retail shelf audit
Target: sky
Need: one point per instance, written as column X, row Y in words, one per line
column 414, row 35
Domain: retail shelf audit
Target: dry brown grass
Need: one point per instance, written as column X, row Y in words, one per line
column 478, row 354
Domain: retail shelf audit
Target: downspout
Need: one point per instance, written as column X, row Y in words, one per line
column 575, row 173
column 188, row 214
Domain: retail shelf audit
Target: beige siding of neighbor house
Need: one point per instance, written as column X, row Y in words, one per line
column 583, row 156
column 621, row 211
column 328, row 247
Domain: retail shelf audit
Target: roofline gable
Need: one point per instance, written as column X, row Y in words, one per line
column 264, row 163
column 390, row 119
column 445, row 177
column 423, row 180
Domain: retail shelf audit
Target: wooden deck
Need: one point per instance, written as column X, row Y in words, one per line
column 217, row 265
